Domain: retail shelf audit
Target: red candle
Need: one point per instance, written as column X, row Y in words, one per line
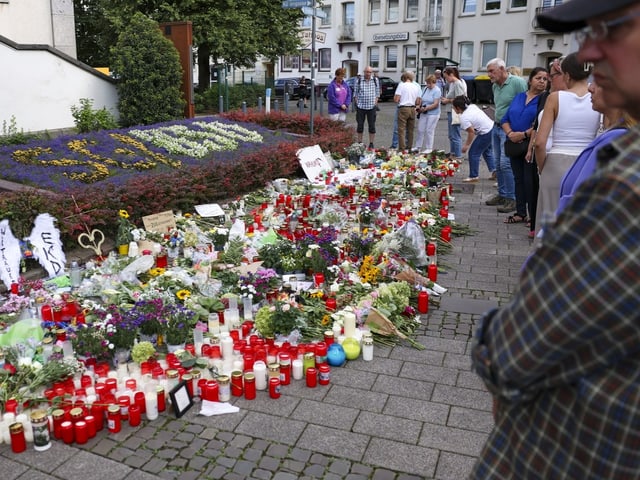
column 80, row 431
column 91, row 425
column 312, row 377
column 423, row 302
column 113, row 419
column 18, row 441
column 445, row 233
column 67, row 432
column 249, row 386
column 15, row 288
column 162, row 403
column 318, row 280
column 331, row 304
column 324, row 374
column 433, row 272
column 274, row 387
column 134, row 415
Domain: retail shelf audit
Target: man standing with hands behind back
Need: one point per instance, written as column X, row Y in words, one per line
column 367, row 92
column 562, row 359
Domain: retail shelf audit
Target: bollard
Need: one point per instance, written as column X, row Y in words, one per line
column 244, row 107
column 260, row 104
column 286, row 102
column 221, row 104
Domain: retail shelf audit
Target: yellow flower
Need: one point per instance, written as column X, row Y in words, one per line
column 317, row 294
column 123, row 214
column 183, row 294
column 156, row 272
column 326, row 320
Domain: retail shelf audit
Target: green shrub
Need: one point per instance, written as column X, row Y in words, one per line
column 89, row 120
column 147, row 66
column 12, row 136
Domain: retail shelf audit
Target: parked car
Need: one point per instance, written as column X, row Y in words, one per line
column 291, row 85
column 387, row 87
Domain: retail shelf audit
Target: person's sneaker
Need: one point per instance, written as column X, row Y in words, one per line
column 371, row 146
column 471, row 179
column 427, row 151
column 495, row 200
column 508, row 206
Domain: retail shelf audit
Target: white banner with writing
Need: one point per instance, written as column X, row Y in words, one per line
column 9, row 255
column 47, row 246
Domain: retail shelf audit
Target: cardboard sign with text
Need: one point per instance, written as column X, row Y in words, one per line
column 159, row 222
column 313, row 162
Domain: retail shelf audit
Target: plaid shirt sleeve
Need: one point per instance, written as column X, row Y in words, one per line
column 563, row 357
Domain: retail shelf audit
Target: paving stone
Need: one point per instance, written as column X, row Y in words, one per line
column 189, row 476
column 462, row 397
column 278, row 451
column 285, row 476
column 382, row 474
column 333, row 442
column 226, row 461
column 348, row 397
column 155, row 465
column 467, row 418
column 282, row 430
column 269, row 463
column 198, row 462
column 262, row 474
column 315, row 471
column 456, row 440
column 340, row 467
column 242, row 467
column 416, row 409
column 405, row 387
column 87, row 466
column 360, row 469
column 293, row 465
column 386, row 426
column 325, row 414
column 406, row 458
column 252, row 454
column 452, row 466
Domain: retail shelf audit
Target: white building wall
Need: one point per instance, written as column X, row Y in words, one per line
column 39, row 88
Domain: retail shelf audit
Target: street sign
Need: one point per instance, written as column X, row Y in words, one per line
column 296, row 3
column 309, row 11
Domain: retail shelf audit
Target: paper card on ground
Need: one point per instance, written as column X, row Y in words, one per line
column 159, row 222
column 313, row 162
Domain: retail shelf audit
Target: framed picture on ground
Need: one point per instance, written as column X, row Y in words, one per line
column 181, row 400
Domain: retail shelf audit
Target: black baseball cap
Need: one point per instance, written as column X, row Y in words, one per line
column 573, row 14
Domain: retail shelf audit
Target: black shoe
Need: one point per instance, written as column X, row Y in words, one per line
column 371, row 146
column 306, row 106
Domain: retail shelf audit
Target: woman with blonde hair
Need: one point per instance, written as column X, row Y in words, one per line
column 574, row 125
column 429, row 114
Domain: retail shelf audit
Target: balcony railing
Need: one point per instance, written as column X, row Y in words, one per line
column 347, row 33
column 432, row 25
column 539, row 10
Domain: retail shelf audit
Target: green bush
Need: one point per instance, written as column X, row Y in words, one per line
column 12, row 136
column 147, row 66
column 89, row 120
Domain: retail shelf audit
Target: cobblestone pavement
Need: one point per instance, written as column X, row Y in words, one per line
column 408, row 414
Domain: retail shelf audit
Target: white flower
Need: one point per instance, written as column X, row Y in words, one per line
column 36, row 366
column 286, row 307
column 25, row 362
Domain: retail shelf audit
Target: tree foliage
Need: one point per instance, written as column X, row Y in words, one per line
column 147, row 66
column 236, row 32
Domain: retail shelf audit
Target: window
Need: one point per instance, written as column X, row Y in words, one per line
column 469, row 6
column 306, row 59
column 306, row 21
column 412, row 9
column 489, row 52
column 391, row 54
column 348, row 13
column 434, row 16
column 374, row 57
column 551, row 3
column 514, row 53
column 326, row 21
column 466, row 56
column 410, row 54
column 374, row 11
column 325, row 59
column 518, row 4
column 393, row 11
column 287, row 63
column 492, row 5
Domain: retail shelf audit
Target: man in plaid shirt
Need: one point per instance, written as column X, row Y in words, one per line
column 366, row 93
column 562, row 359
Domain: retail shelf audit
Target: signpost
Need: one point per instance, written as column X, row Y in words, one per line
column 309, row 8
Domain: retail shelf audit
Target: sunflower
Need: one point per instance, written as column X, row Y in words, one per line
column 123, row 214
column 326, row 320
column 156, row 272
column 183, row 294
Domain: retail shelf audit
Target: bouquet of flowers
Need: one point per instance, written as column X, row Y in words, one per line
column 125, row 227
column 279, row 318
column 89, row 340
column 178, row 326
column 259, row 284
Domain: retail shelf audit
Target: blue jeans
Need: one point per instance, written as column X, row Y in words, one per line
column 455, row 140
column 504, row 174
column 481, row 146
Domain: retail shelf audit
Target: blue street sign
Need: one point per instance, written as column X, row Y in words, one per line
column 296, row 3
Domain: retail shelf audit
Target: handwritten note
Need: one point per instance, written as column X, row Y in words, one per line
column 314, row 163
column 159, row 222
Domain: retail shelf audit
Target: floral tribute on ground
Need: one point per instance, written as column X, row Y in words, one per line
column 301, row 269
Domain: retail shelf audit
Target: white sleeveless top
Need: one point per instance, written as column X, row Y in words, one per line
column 576, row 124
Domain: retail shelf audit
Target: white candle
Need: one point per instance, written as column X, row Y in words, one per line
column 349, row 325
column 297, row 369
column 247, row 304
column 226, row 346
column 260, row 371
column 151, row 405
column 337, row 330
column 213, row 324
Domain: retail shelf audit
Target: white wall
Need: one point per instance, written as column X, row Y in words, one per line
column 39, row 87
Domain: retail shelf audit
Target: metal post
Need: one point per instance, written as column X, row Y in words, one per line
column 260, row 104
column 226, row 88
column 276, row 105
column 313, row 68
column 286, row 101
column 244, row 107
column 221, row 103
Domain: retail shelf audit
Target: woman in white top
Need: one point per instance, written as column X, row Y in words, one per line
column 456, row 87
column 478, row 126
column 429, row 111
column 574, row 125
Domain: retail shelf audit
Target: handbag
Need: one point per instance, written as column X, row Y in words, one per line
column 515, row 150
column 455, row 118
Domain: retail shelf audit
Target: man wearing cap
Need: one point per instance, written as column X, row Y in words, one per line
column 562, row 359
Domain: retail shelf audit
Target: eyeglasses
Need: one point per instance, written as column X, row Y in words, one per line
column 599, row 31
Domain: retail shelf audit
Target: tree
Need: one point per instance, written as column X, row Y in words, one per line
column 236, row 32
column 147, row 67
